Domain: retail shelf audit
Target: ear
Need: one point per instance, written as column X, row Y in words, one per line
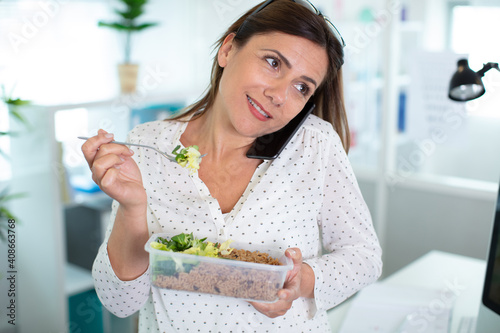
column 226, row 49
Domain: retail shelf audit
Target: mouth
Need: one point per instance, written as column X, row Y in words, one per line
column 258, row 108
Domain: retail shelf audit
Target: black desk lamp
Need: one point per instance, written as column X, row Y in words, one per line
column 465, row 84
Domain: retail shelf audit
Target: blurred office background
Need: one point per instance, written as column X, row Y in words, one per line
column 428, row 167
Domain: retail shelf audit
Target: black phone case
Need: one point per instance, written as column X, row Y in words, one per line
column 269, row 146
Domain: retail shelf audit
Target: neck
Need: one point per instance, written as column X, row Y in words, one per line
column 216, row 137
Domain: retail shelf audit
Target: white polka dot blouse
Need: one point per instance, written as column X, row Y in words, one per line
column 307, row 198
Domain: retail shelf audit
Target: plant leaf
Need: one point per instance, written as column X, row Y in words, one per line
column 130, row 14
column 4, row 212
column 16, row 114
column 6, row 197
column 134, row 3
column 114, row 25
column 143, row 26
column 10, row 133
column 17, row 101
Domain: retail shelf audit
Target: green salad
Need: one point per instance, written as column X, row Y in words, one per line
column 187, row 243
column 189, row 157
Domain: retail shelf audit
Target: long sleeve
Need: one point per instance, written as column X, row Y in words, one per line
column 352, row 256
column 122, row 298
column 306, row 198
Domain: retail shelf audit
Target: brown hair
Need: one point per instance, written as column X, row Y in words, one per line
column 291, row 18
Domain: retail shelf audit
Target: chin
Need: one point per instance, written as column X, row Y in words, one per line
column 252, row 130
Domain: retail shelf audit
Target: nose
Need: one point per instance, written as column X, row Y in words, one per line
column 277, row 92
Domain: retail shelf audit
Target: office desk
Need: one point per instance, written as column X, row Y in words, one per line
column 435, row 270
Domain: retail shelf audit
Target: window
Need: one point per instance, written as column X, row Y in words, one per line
column 473, row 32
column 54, row 52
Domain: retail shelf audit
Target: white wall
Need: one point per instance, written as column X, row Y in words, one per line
column 428, row 213
column 54, row 52
column 447, row 202
column 422, row 213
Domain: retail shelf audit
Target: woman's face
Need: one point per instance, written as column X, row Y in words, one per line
column 268, row 81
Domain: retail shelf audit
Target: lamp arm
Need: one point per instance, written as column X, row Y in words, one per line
column 487, row 67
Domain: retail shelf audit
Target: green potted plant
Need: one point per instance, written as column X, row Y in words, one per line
column 128, row 24
column 5, row 214
column 13, row 105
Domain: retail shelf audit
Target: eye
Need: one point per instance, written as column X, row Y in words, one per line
column 273, row 62
column 303, row 88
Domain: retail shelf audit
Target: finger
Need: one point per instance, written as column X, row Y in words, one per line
column 261, row 307
column 283, row 294
column 109, row 179
column 296, row 255
column 272, row 310
column 103, row 164
column 113, row 149
column 289, row 293
column 91, row 146
column 291, row 287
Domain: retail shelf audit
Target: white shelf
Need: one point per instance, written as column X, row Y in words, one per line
column 78, row 280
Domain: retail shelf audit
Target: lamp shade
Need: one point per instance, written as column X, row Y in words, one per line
column 465, row 84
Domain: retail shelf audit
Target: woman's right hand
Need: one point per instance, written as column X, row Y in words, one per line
column 117, row 174
column 114, row 170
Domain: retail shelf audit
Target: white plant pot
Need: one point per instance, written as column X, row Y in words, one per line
column 128, row 77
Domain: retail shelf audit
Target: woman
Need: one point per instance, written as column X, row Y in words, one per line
column 269, row 63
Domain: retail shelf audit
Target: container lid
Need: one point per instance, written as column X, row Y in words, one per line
column 287, row 263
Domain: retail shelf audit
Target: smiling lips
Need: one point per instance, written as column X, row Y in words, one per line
column 261, row 112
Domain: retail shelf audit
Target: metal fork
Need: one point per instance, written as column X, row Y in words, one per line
column 170, row 157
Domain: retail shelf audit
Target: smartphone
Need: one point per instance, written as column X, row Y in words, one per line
column 269, row 146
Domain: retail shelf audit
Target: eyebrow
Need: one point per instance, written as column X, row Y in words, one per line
column 289, row 65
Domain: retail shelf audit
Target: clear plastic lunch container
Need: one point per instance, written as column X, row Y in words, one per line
column 217, row 276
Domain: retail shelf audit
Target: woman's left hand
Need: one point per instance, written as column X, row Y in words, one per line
column 291, row 288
